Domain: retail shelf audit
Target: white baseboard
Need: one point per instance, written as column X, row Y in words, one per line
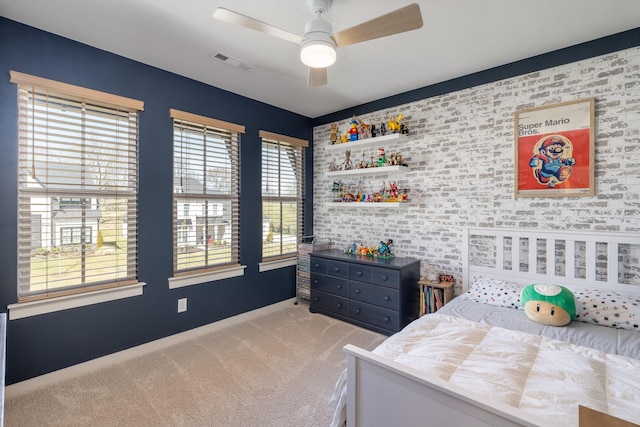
column 33, row 384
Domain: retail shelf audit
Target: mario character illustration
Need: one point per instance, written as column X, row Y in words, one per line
column 552, row 161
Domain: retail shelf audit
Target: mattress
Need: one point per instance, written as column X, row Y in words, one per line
column 498, row 351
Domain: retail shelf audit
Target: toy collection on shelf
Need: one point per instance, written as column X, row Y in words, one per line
column 382, row 251
column 391, row 193
column 358, row 131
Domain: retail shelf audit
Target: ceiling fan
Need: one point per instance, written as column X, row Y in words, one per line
column 318, row 44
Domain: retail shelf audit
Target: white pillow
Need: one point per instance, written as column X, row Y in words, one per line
column 615, row 309
column 494, row 292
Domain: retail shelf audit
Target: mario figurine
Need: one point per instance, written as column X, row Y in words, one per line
column 550, row 165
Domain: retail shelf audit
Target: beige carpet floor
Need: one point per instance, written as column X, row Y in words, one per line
column 278, row 369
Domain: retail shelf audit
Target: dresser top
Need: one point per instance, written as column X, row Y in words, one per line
column 394, row 262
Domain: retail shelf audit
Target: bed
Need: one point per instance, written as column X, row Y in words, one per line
column 479, row 361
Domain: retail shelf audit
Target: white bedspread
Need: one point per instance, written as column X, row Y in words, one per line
column 541, row 375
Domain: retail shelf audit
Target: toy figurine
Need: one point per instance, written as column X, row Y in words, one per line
column 362, row 164
column 347, row 165
column 385, row 249
column 333, row 136
column 352, row 250
column 362, row 250
column 381, row 158
column 393, row 191
column 365, row 129
column 353, row 132
column 394, row 124
column 374, row 131
column 383, row 129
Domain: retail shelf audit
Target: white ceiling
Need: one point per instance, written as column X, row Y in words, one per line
column 459, row 37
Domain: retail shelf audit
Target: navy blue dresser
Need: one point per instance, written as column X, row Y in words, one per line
column 377, row 294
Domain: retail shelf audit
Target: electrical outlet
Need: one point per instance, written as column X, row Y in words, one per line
column 182, row 305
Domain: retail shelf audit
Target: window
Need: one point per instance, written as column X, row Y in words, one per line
column 206, row 177
column 77, row 189
column 282, row 194
column 73, row 236
column 74, row 202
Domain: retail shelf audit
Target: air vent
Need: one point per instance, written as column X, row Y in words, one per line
column 231, row 61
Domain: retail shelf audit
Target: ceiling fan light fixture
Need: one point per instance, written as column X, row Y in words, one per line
column 318, row 53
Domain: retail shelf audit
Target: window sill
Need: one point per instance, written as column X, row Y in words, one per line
column 34, row 308
column 280, row 263
column 210, row 276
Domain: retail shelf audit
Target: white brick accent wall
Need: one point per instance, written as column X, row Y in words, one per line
column 461, row 152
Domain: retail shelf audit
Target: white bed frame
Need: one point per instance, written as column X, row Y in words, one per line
column 381, row 392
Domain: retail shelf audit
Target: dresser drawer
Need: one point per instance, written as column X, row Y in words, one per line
column 376, row 295
column 360, row 272
column 378, row 316
column 329, row 284
column 338, row 269
column 318, row 265
column 329, row 302
column 330, row 267
column 385, row 277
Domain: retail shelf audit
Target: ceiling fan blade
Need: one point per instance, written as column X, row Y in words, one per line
column 232, row 17
column 404, row 19
column 317, row 77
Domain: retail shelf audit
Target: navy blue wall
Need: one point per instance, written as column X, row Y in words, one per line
column 41, row 344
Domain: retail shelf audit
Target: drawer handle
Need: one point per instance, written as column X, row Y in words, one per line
column 339, row 286
column 316, row 281
column 316, row 265
column 339, row 305
column 357, row 311
column 316, row 299
column 385, row 278
column 387, row 298
column 359, row 273
column 387, row 319
column 336, row 269
column 358, row 291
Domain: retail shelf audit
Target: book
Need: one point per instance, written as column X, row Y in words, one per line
column 438, row 297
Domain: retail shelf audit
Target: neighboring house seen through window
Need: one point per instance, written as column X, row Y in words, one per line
column 77, row 188
column 206, row 186
column 282, row 194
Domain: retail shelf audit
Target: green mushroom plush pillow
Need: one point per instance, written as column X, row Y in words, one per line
column 548, row 304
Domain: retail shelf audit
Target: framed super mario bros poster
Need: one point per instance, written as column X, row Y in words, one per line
column 554, row 150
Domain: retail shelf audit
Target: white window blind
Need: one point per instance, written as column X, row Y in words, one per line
column 77, row 188
column 282, row 194
column 206, row 211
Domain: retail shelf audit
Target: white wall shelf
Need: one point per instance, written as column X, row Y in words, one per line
column 384, row 139
column 371, row 171
column 373, row 205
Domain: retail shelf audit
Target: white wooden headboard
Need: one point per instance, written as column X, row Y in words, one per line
column 576, row 258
